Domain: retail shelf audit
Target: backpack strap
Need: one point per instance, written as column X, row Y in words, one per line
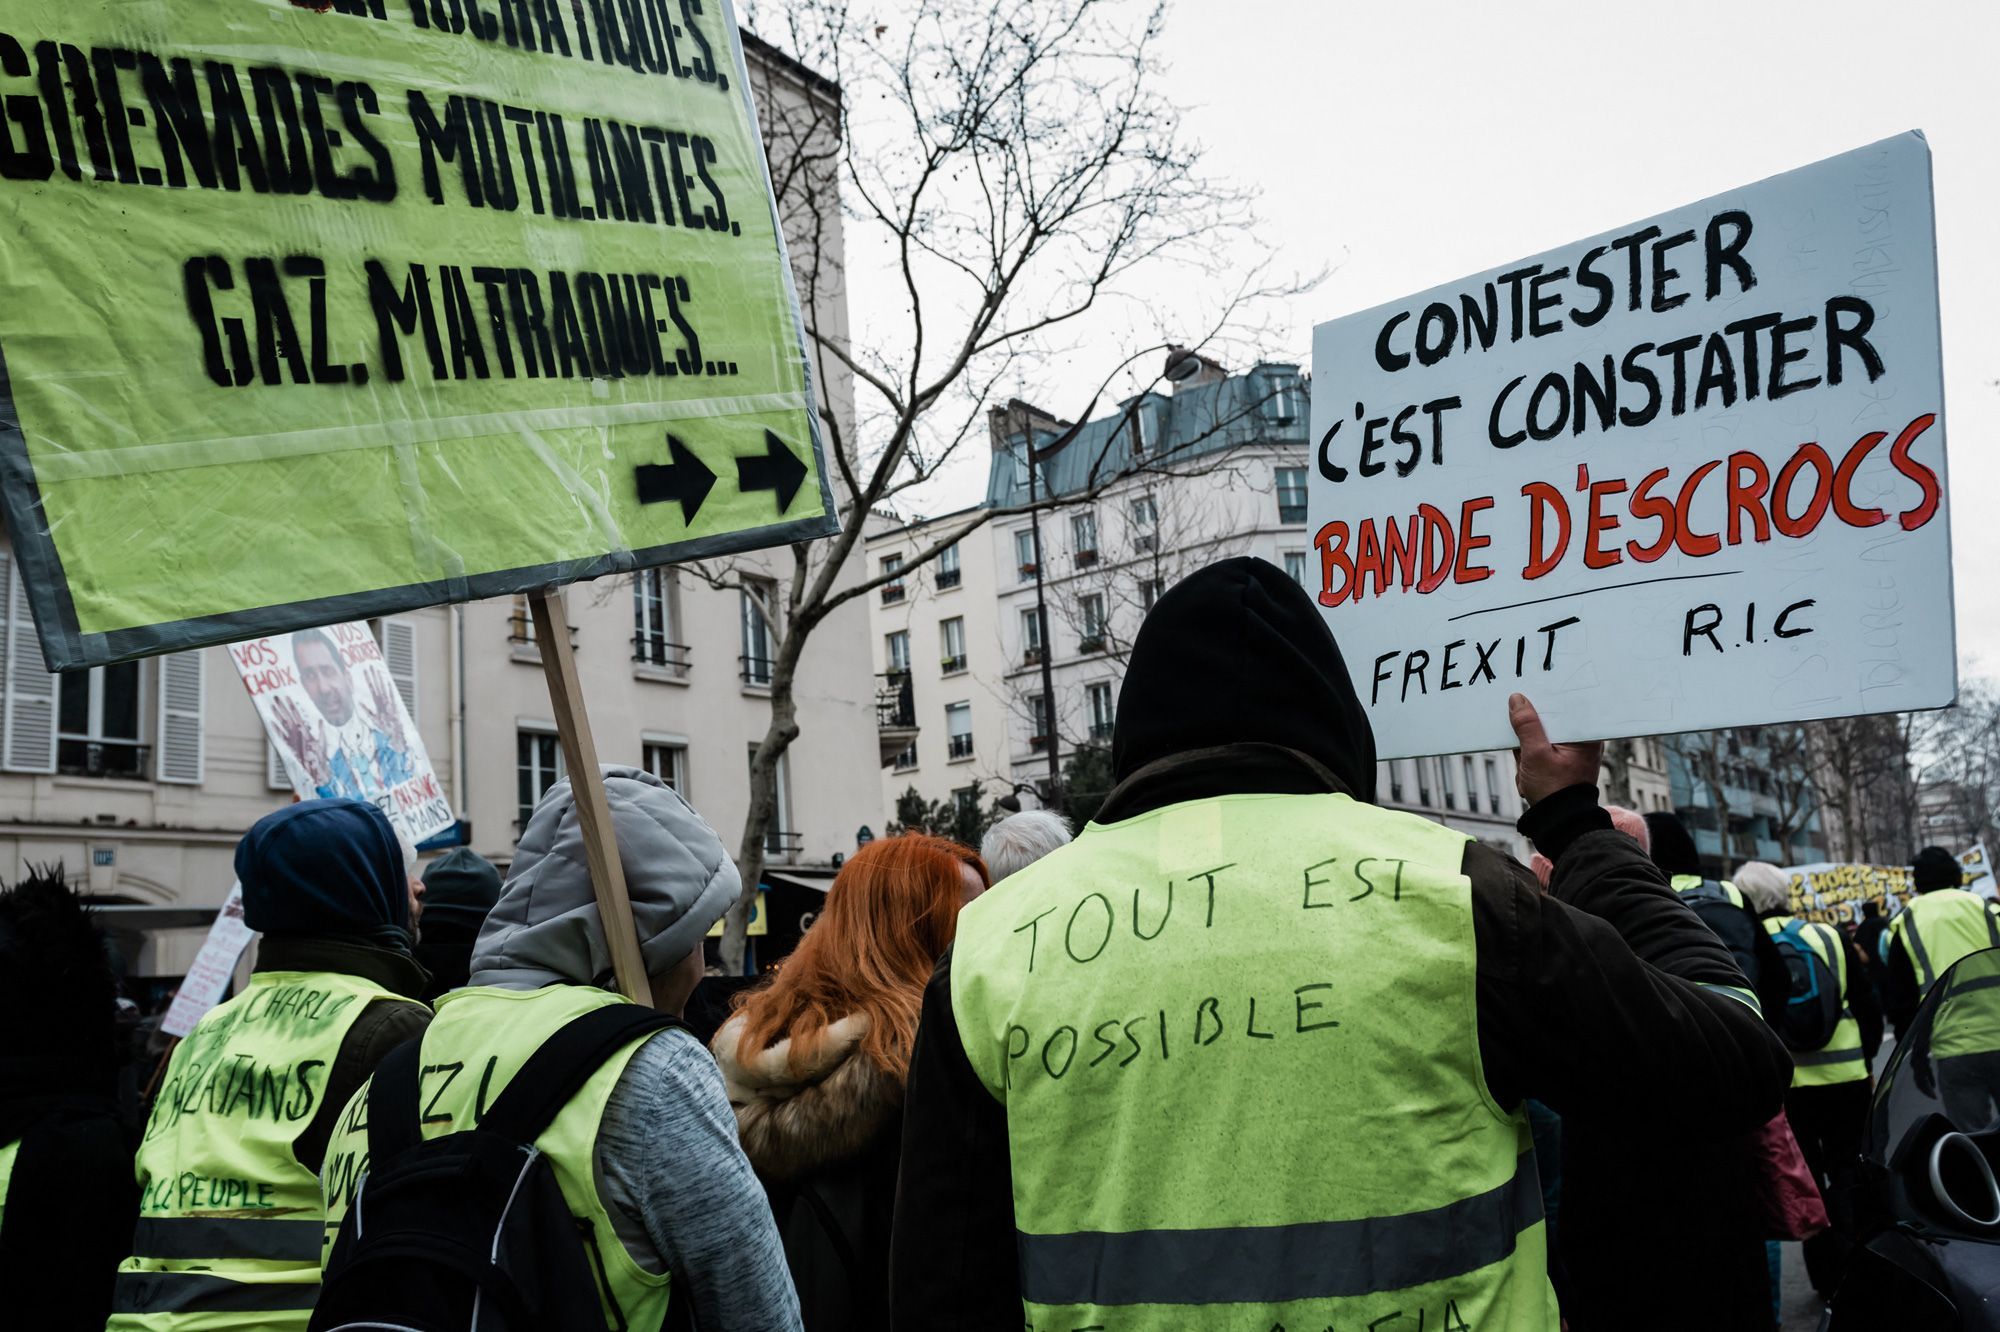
column 392, row 1102
column 535, row 1095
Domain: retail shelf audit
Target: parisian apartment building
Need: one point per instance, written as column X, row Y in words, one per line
column 1170, row 482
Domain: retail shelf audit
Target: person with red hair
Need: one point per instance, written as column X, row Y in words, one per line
column 815, row 1060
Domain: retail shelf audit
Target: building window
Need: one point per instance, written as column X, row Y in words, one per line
column 538, row 763
column 1423, row 782
column 1083, row 533
column 1150, row 590
column 1450, row 792
column 958, row 730
column 756, row 616
column 1031, row 636
column 1471, row 786
column 1145, row 518
column 948, row 570
column 1090, row 610
column 669, row 763
column 97, row 722
column 521, row 623
column 779, row 838
column 654, row 619
column 951, row 641
column 1024, row 553
column 1492, row 787
column 1295, row 566
column 896, row 651
column 1102, row 713
column 1281, row 401
column 906, row 759
column 1395, row 779
column 892, row 591
column 1038, row 722
column 1291, row 494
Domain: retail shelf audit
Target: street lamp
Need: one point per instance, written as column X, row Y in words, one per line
column 1011, row 802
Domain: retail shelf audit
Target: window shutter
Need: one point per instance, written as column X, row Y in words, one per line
column 399, row 651
column 179, row 756
column 274, row 769
column 30, row 692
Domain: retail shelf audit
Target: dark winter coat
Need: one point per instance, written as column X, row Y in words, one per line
column 824, row 1139
column 1591, row 997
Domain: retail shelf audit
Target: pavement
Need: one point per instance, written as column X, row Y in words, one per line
column 1798, row 1305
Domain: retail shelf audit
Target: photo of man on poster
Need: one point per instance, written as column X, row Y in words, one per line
column 350, row 750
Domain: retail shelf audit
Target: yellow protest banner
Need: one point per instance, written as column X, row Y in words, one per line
column 320, row 309
column 1834, row 893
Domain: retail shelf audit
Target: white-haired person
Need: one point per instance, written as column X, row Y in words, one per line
column 1828, row 1101
column 1019, row 840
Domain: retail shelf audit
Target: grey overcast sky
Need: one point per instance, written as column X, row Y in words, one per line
column 1406, row 144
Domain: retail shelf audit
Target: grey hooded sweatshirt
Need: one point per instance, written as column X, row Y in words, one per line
column 669, row 1168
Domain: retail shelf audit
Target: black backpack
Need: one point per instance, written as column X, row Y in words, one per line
column 1812, row 1005
column 1729, row 922
column 470, row 1232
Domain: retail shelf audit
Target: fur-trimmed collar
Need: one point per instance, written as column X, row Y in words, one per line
column 792, row 1120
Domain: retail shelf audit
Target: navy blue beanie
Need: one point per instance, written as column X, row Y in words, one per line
column 325, row 867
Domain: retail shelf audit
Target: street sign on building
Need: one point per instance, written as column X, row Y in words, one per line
column 1689, row 473
column 319, row 311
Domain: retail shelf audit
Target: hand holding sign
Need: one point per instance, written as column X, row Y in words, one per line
column 384, row 715
column 1541, row 768
column 303, row 739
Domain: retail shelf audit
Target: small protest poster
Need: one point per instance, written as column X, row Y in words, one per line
column 316, row 311
column 332, row 709
column 1688, row 473
column 1834, row 893
column 202, row 988
column 1978, row 871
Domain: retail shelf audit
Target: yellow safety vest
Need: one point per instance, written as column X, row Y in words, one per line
column 7, row 1155
column 1237, row 1047
column 1968, row 1017
column 229, row 1220
column 1939, row 927
column 1840, row 1059
column 477, row 1043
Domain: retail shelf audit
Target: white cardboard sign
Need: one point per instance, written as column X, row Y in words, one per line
column 332, row 709
column 1685, row 474
column 201, row 989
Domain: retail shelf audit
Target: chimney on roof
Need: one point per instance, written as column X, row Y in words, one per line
column 1190, row 369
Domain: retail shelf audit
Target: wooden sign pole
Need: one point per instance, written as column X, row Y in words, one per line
column 593, row 812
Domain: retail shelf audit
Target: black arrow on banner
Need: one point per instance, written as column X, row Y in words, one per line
column 687, row 479
column 777, row 469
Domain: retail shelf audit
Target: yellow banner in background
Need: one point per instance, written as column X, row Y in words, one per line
column 319, row 311
column 1834, row 892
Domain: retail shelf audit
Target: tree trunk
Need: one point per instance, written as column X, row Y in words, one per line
column 778, row 737
column 1618, row 770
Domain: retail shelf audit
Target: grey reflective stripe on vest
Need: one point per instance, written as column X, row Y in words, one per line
column 1314, row 1260
column 1807, row 1058
column 1983, row 983
column 1835, row 958
column 1736, row 992
column 228, row 1237
column 204, row 1292
column 1917, row 950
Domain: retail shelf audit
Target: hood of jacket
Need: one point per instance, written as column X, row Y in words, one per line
column 326, row 868
column 1235, row 654
column 545, row 929
column 794, row 1120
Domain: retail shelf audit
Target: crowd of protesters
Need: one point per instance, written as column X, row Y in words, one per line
column 1248, row 1050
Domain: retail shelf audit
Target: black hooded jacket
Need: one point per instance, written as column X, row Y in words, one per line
column 1589, row 996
